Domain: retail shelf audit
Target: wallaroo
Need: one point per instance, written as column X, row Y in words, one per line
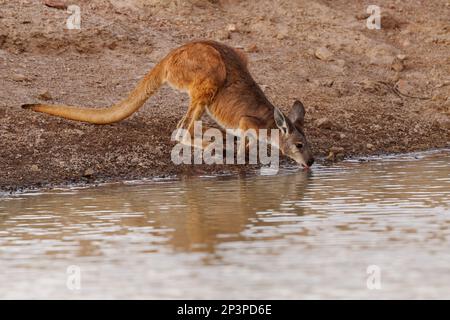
column 219, row 83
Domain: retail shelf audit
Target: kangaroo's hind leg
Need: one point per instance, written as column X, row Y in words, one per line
column 198, row 68
column 202, row 95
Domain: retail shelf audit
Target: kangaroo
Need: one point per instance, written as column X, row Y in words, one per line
column 219, row 83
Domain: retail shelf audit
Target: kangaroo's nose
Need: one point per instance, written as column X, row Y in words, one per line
column 310, row 162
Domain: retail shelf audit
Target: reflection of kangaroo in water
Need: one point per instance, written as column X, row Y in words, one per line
column 219, row 83
column 196, row 214
column 209, row 212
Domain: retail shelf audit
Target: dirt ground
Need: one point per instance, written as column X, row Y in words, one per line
column 366, row 91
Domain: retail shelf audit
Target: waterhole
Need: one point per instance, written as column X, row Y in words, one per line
column 372, row 229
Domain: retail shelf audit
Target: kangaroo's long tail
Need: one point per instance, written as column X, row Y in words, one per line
column 145, row 88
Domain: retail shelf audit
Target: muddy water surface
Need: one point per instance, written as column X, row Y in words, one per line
column 294, row 235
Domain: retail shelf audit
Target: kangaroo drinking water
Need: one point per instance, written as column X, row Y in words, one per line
column 219, row 83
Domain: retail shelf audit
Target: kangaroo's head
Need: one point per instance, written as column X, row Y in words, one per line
column 292, row 140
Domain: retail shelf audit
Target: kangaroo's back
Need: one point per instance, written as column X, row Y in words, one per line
column 212, row 73
column 240, row 95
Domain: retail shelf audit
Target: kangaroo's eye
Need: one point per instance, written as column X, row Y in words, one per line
column 299, row 145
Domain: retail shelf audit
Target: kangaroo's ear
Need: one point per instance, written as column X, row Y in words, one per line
column 280, row 120
column 297, row 114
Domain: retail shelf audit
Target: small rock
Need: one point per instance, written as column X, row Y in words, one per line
column 35, row 168
column 18, row 77
column 55, row 4
column 362, row 16
column 381, row 55
column 112, row 45
column 324, row 123
column 342, row 136
column 370, row 146
column 45, row 95
column 88, row 172
column 327, row 83
column 281, row 35
column 231, row 27
column 397, row 65
column 404, row 87
column 323, row 54
column 401, row 56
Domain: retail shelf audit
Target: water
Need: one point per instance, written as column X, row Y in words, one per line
column 295, row 235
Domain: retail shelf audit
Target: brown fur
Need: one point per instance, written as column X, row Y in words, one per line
column 217, row 80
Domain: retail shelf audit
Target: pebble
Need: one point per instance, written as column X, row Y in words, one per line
column 18, row 77
column 45, row 95
column 323, row 54
column 362, row 16
column 404, row 86
column 381, row 55
column 324, row 123
column 281, row 35
column 88, row 172
column 55, row 4
column 397, row 65
column 232, row 27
